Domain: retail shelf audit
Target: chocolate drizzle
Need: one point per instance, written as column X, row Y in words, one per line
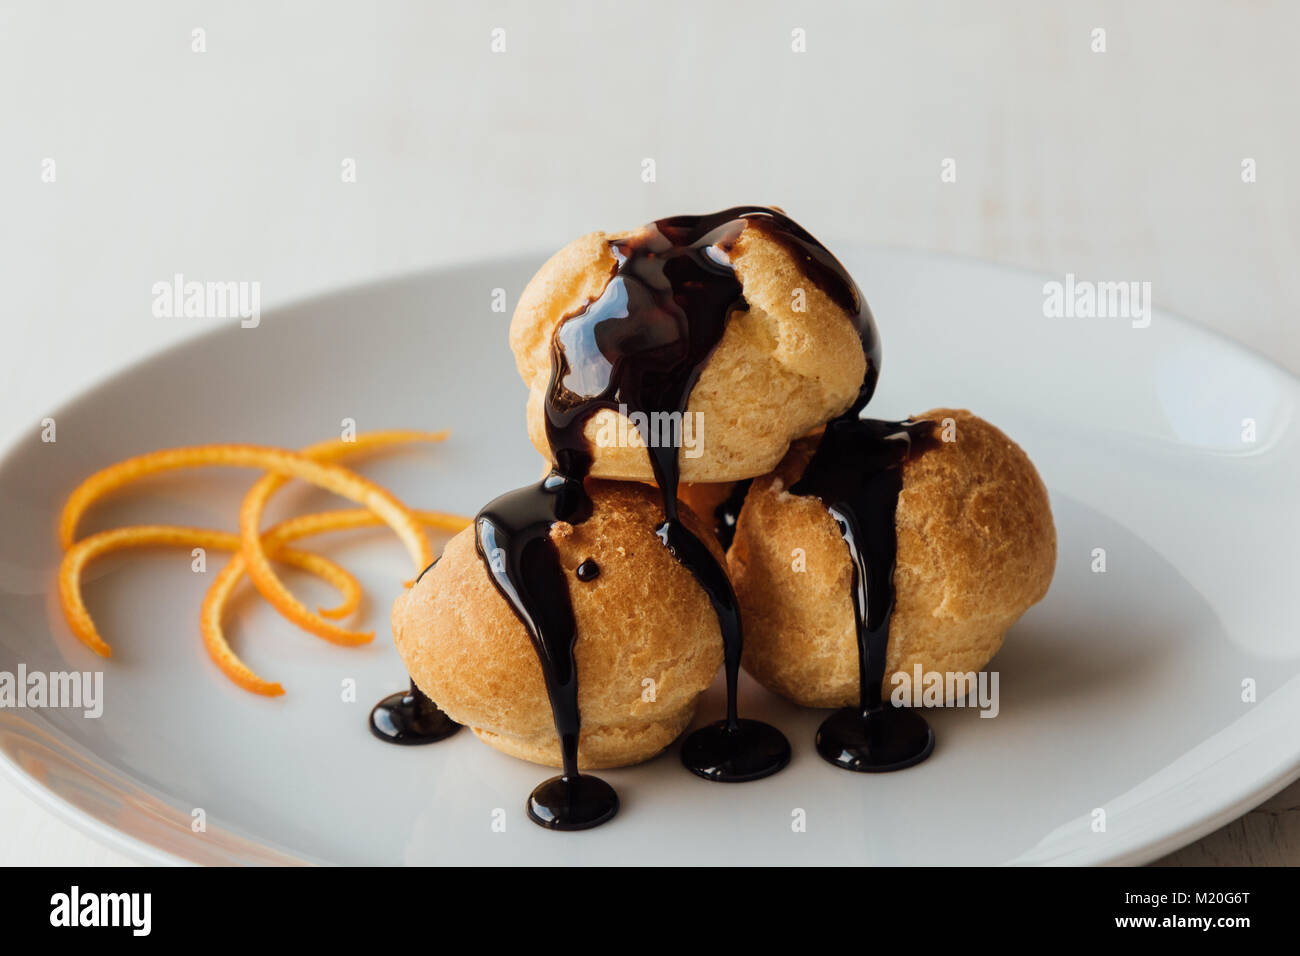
column 512, row 536
column 409, row 717
column 857, row 473
column 640, row 347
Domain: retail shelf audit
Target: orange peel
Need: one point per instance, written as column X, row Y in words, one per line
column 254, row 556
column 332, row 477
column 252, row 550
column 223, row 586
column 88, row 549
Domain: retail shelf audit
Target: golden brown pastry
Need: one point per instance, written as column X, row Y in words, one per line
column 776, row 373
column 976, row 548
column 648, row 641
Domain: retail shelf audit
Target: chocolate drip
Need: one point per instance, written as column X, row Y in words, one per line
column 857, row 472
column 512, row 536
column 639, row 349
column 588, row 571
column 409, row 716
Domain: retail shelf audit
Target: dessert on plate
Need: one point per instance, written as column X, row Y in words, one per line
column 727, row 358
column 713, row 496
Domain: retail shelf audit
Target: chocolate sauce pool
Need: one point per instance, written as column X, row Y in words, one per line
column 409, row 717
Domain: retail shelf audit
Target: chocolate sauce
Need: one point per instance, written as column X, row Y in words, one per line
column 639, row 348
column 857, row 472
column 409, row 717
column 512, row 536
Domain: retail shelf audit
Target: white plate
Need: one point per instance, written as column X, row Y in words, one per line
column 1121, row 691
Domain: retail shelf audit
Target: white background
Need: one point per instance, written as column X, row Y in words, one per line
column 226, row 165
